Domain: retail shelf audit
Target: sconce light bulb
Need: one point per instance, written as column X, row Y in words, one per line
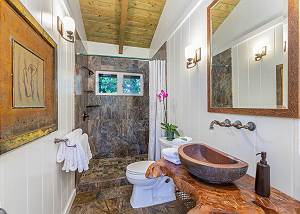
column 189, row 52
column 68, row 24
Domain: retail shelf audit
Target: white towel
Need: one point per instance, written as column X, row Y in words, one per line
column 84, row 153
column 60, row 157
column 70, row 156
column 86, row 146
column 82, row 160
column 75, row 158
column 173, row 160
column 62, row 148
column 171, row 154
column 70, row 161
column 61, row 153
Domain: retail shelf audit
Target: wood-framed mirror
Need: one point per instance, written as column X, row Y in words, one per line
column 253, row 57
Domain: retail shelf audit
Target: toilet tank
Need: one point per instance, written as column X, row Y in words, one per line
column 164, row 143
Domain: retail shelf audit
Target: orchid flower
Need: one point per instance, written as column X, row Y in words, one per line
column 162, row 95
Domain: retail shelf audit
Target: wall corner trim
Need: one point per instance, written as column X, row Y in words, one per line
column 70, row 202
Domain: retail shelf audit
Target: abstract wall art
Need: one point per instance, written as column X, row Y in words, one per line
column 28, row 78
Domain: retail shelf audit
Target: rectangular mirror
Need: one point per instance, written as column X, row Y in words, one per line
column 253, row 57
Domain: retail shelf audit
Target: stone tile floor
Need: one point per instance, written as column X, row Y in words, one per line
column 121, row 205
column 104, row 189
column 106, row 173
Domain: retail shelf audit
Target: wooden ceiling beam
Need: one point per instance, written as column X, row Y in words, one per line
column 123, row 22
column 135, row 27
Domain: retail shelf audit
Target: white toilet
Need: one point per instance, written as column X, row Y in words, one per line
column 148, row 192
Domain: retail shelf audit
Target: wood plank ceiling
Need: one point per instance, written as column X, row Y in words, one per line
column 122, row 22
column 221, row 11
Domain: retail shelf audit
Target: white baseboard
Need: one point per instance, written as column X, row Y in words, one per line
column 70, row 202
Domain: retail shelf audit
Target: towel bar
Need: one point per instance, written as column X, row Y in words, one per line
column 57, row 140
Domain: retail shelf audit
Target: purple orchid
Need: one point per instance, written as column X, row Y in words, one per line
column 162, row 95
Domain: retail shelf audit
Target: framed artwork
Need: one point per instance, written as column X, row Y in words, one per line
column 28, row 78
column 28, row 89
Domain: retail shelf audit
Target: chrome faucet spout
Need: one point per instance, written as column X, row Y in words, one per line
column 211, row 126
column 237, row 124
column 225, row 123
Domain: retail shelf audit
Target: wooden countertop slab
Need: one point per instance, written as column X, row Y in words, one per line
column 239, row 197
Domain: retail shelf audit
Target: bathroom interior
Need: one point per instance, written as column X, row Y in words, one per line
column 149, row 106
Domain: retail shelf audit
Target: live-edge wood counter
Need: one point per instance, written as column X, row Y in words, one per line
column 239, row 197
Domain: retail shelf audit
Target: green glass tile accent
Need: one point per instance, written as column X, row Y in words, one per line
column 108, row 83
column 132, row 84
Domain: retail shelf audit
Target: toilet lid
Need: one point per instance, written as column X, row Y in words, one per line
column 139, row 167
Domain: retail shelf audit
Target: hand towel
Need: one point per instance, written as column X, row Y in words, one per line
column 83, row 153
column 171, row 154
column 173, row 160
column 60, row 157
column 70, row 155
column 82, row 160
column 86, row 146
column 70, row 161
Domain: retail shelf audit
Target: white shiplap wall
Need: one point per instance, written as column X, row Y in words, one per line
column 31, row 182
column 279, row 137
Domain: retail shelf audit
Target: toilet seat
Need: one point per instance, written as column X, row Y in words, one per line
column 146, row 191
column 138, row 168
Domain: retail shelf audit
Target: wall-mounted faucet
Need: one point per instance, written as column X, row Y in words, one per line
column 237, row 124
column 85, row 116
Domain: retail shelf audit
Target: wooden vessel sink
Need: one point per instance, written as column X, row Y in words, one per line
column 211, row 165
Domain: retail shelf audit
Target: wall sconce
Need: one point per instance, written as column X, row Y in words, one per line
column 192, row 56
column 66, row 28
column 260, row 53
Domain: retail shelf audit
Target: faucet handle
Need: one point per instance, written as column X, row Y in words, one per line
column 237, row 124
column 250, row 126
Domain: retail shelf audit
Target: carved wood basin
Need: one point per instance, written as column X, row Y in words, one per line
column 211, row 165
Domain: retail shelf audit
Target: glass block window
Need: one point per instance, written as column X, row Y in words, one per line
column 132, row 84
column 119, row 83
column 108, row 83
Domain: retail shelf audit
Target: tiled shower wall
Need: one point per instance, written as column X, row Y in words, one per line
column 118, row 126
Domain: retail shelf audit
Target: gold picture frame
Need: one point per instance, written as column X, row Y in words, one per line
column 22, row 124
